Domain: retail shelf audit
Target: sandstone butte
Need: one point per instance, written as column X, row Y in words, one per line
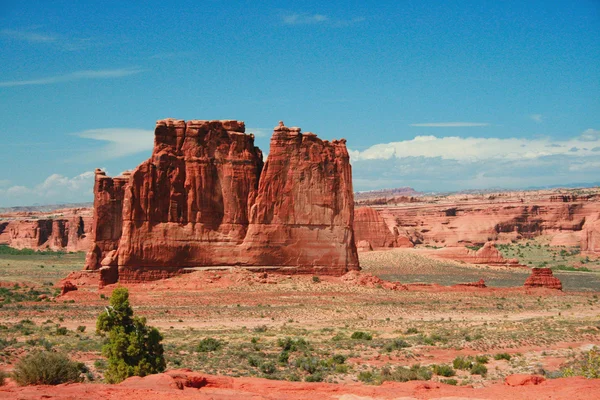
column 205, row 198
column 542, row 277
column 67, row 229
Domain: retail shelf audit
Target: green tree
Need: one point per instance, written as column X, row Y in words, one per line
column 132, row 348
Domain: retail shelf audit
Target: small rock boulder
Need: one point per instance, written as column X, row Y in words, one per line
column 523, row 380
column 67, row 287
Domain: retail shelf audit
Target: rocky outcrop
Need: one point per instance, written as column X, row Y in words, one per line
column 479, row 284
column 542, row 277
column 204, row 199
column 486, row 255
column 304, row 211
column 590, row 237
column 63, row 230
column 108, row 217
column 371, row 228
column 456, row 222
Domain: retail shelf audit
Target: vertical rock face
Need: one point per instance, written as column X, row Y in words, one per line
column 370, row 226
column 203, row 199
column 542, row 277
column 187, row 206
column 107, row 225
column 303, row 215
column 590, row 236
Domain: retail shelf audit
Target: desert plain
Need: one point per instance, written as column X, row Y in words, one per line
column 402, row 327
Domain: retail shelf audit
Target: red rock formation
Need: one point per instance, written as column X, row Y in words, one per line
column 479, row 284
column 487, row 255
column 67, row 287
column 457, row 222
column 108, row 210
column 304, row 212
column 590, row 237
column 362, row 279
column 61, row 230
column 542, row 277
column 523, row 380
column 364, row 245
column 198, row 202
column 370, row 227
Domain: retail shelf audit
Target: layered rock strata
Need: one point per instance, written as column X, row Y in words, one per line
column 542, row 277
column 67, row 231
column 474, row 222
column 372, row 233
column 204, row 198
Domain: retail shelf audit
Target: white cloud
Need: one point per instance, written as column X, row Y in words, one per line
column 454, row 163
column 28, row 36
column 75, row 76
column 472, row 148
column 313, row 19
column 120, row 141
column 35, row 37
column 450, row 124
column 590, row 135
column 303, row 19
column 539, row 118
column 55, row 189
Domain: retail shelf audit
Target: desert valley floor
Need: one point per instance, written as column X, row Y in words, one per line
column 268, row 336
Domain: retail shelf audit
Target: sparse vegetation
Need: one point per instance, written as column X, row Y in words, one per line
column 132, row 348
column 46, row 368
column 209, row 344
column 358, row 335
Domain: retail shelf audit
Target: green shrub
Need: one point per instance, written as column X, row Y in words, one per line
column 404, row 374
column 3, row 376
column 395, row 344
column 587, row 366
column 502, row 356
column 308, row 364
column 452, row 382
column 316, row 279
column 481, row 359
column 444, row 370
column 316, row 377
column 283, row 357
column 133, row 348
column 462, row 363
column 289, row 344
column 478, row 369
column 341, row 369
column 209, row 344
column 338, row 359
column 46, row 368
column 81, row 328
column 358, row 335
column 268, row 368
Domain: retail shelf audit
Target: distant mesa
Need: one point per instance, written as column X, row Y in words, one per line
column 60, row 230
column 205, row 198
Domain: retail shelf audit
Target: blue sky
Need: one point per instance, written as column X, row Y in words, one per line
column 437, row 95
